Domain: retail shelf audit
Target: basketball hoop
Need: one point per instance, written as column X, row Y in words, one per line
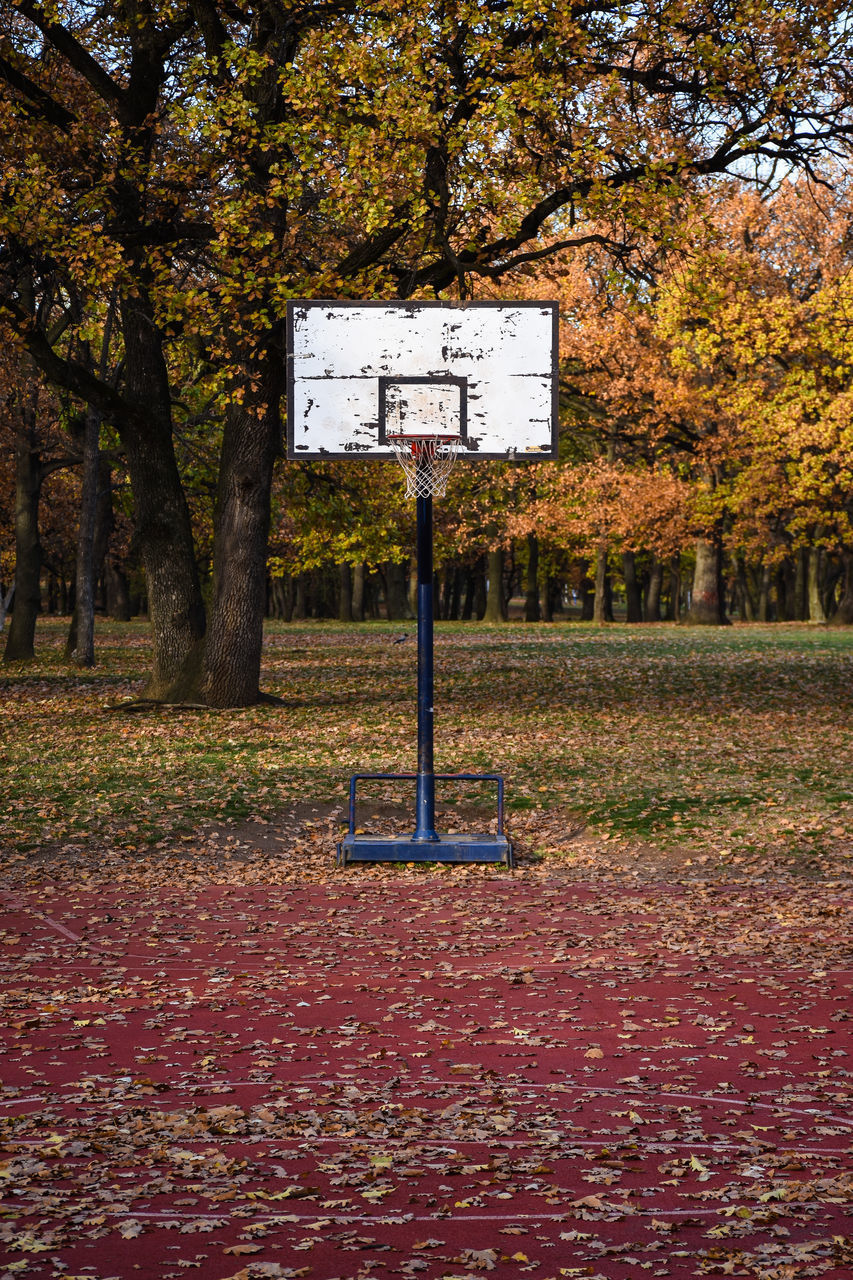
column 427, row 461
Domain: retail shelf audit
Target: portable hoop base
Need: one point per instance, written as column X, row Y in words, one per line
column 425, row 844
column 485, row 847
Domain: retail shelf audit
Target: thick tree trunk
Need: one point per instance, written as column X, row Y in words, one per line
column 633, row 597
column 706, row 604
column 250, row 445
column 653, row 591
column 161, row 516
column 813, row 575
column 843, row 616
column 532, row 611
column 20, row 642
column 495, row 609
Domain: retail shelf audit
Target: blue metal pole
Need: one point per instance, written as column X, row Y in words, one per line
column 425, row 783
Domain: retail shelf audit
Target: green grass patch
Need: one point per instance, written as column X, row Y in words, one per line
column 661, row 734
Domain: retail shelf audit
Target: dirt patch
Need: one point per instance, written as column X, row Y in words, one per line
column 303, row 824
column 298, row 845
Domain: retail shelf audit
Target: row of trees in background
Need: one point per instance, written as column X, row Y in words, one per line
column 173, row 174
column 705, row 468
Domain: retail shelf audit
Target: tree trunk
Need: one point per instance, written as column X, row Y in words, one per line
column 20, row 642
column 466, row 608
column 653, row 591
column 587, row 590
column 785, row 609
column 161, row 517
column 95, row 520
column 357, row 602
column 833, row 577
column 532, row 611
column 453, row 593
column 602, row 610
column 843, row 616
column 746, row 603
column 548, row 597
column 763, row 612
column 300, row 598
column 250, row 445
column 801, row 593
column 81, row 640
column 813, row 574
column 279, row 599
column 118, row 592
column 495, row 611
column 706, row 605
column 480, row 592
column 632, row 587
column 396, row 590
column 344, row 592
column 673, row 603
column 5, row 601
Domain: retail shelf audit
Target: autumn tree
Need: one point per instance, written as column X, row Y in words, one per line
column 206, row 162
column 760, row 321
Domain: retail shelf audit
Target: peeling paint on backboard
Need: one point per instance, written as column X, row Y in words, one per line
column 343, row 357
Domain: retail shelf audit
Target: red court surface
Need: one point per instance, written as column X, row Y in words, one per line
column 446, row 1074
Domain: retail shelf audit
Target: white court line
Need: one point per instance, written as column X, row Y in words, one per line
column 605, row 1142
column 343, row 1218
column 504, row 1084
column 603, row 1090
column 184, row 972
column 13, row 902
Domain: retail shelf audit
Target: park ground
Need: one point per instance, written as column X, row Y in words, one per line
column 631, row 1055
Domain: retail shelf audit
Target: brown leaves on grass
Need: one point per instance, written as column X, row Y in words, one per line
column 721, row 752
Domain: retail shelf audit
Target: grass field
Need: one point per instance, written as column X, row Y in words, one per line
column 724, row 746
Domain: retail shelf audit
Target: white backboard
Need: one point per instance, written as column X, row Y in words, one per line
column 484, row 370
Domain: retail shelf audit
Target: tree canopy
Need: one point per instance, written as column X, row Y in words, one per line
column 189, row 167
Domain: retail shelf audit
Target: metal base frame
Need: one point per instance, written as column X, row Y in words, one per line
column 467, row 847
column 425, row 844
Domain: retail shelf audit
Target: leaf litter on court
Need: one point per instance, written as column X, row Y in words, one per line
column 631, row 1056
column 436, row 1075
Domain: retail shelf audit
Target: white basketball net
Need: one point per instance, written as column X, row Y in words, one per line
column 427, row 461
